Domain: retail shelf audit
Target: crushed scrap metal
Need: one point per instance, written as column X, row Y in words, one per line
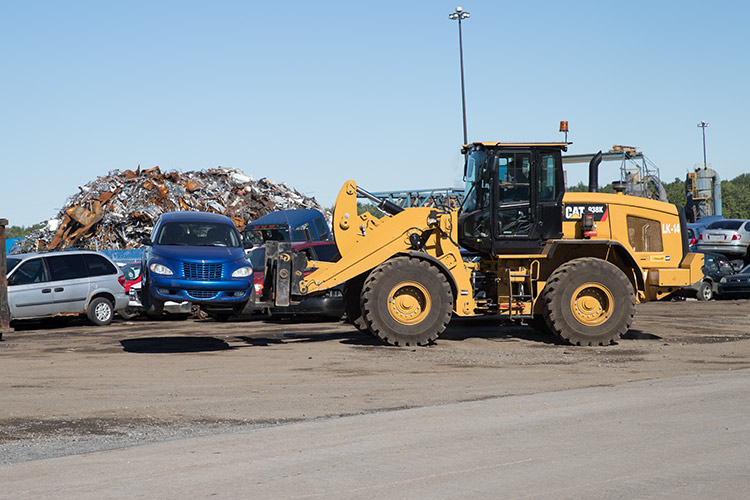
column 118, row 210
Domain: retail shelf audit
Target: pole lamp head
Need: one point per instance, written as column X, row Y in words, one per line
column 459, row 14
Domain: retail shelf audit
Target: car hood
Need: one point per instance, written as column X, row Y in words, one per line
column 199, row 254
column 740, row 277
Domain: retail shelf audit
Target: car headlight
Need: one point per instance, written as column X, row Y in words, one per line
column 160, row 269
column 242, row 272
column 723, row 280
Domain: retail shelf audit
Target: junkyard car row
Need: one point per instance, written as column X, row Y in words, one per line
column 202, row 259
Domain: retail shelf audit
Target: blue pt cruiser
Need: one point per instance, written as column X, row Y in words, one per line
column 198, row 257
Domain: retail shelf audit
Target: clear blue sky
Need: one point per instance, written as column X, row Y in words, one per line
column 315, row 93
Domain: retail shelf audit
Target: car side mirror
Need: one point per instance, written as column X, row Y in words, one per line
column 147, row 242
column 248, row 244
column 13, row 280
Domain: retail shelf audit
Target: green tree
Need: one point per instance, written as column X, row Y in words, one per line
column 21, row 231
column 676, row 192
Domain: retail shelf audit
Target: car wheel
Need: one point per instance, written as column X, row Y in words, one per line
column 706, row 291
column 101, row 311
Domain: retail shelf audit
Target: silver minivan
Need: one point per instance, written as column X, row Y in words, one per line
column 42, row 285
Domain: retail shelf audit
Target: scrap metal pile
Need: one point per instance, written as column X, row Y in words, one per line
column 117, row 211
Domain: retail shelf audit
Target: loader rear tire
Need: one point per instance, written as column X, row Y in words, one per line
column 588, row 301
column 407, row 301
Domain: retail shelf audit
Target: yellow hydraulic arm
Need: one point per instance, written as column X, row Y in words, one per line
column 365, row 241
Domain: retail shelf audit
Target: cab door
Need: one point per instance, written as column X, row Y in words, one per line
column 527, row 197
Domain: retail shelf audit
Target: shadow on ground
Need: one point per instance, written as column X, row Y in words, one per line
column 154, row 345
column 493, row 328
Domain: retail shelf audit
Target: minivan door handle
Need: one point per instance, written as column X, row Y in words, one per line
column 59, row 289
column 46, row 290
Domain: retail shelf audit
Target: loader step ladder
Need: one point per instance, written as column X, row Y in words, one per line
column 521, row 302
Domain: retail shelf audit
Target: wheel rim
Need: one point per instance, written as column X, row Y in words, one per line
column 409, row 303
column 706, row 292
column 592, row 304
column 102, row 312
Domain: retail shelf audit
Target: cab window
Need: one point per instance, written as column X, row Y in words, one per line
column 548, row 188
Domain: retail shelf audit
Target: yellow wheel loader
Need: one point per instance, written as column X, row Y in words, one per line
column 519, row 247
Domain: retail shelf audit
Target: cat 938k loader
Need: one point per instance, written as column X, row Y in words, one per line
column 519, row 247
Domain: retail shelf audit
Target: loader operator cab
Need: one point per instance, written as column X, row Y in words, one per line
column 513, row 197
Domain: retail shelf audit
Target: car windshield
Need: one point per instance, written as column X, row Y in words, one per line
column 11, row 264
column 260, row 236
column 745, row 270
column 725, row 267
column 201, row 234
column 726, row 224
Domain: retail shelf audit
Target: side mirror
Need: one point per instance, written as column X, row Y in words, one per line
column 147, row 242
column 248, row 244
column 13, row 280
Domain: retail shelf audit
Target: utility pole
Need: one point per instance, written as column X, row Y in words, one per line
column 459, row 15
column 703, row 126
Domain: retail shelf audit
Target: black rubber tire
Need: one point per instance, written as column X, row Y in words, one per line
column 566, row 280
column 128, row 313
column 155, row 310
column 386, row 278
column 101, row 311
column 705, row 291
column 352, row 302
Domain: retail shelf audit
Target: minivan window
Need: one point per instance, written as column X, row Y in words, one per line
column 31, row 271
column 98, row 265
column 66, row 267
column 201, row 234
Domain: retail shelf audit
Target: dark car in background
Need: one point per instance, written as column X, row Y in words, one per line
column 197, row 257
column 715, row 267
column 302, row 224
column 736, row 284
column 328, row 303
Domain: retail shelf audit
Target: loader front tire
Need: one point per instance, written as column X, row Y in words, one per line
column 588, row 301
column 407, row 301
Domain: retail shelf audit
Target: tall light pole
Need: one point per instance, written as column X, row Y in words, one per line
column 460, row 15
column 703, row 125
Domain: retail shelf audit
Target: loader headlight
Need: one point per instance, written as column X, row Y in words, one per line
column 160, row 269
column 242, row 272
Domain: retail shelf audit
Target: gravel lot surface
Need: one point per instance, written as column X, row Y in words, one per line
column 70, row 388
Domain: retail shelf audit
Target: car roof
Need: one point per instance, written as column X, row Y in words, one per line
column 292, row 217
column 189, row 216
column 47, row 254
